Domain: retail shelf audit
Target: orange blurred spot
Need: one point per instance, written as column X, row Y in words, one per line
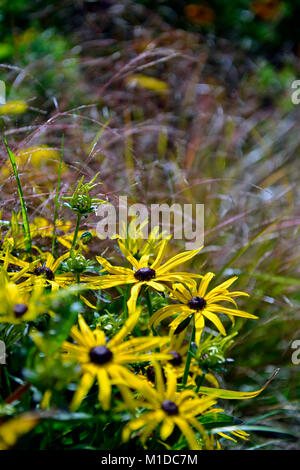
column 200, row 14
column 267, row 10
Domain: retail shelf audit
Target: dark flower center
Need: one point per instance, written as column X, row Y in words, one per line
column 197, row 303
column 20, row 310
column 150, row 372
column 144, row 274
column 43, row 270
column 170, row 408
column 177, row 359
column 100, row 355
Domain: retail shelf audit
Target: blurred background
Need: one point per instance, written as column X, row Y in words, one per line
column 182, row 102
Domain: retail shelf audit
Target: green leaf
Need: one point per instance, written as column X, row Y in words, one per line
column 23, row 204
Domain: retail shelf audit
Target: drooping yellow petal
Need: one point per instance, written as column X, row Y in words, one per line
column 82, row 390
column 104, row 388
column 171, row 384
column 215, row 320
column 134, row 293
column 167, row 428
column 187, row 432
column 199, row 325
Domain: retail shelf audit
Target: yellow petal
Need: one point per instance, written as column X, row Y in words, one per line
column 230, row 311
column 113, row 269
column 82, row 390
column 104, row 388
column 167, row 428
column 177, row 260
column 215, row 320
column 204, row 284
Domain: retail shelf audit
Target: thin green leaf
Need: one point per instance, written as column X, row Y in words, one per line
column 23, row 204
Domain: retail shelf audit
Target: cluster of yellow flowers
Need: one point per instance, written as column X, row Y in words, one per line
column 157, row 374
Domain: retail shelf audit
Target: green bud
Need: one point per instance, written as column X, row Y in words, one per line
column 77, row 263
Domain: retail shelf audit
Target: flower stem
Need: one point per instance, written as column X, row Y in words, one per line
column 125, row 299
column 189, row 355
column 200, row 382
column 148, row 302
column 76, row 231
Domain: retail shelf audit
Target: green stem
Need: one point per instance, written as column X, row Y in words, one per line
column 6, row 380
column 125, row 299
column 200, row 382
column 189, row 355
column 78, row 282
column 76, row 232
column 148, row 302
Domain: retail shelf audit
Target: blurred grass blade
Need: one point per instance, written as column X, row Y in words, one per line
column 23, row 204
column 234, row 395
column 57, row 195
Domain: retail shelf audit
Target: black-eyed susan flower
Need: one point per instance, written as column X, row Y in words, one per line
column 197, row 303
column 109, row 361
column 177, row 350
column 155, row 275
column 44, row 269
column 17, row 306
column 165, row 408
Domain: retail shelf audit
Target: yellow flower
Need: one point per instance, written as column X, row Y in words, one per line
column 11, row 430
column 201, row 305
column 13, row 107
column 43, row 269
column 132, row 241
column 108, row 360
column 154, row 276
column 177, row 350
column 38, row 157
column 17, row 306
column 168, row 408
